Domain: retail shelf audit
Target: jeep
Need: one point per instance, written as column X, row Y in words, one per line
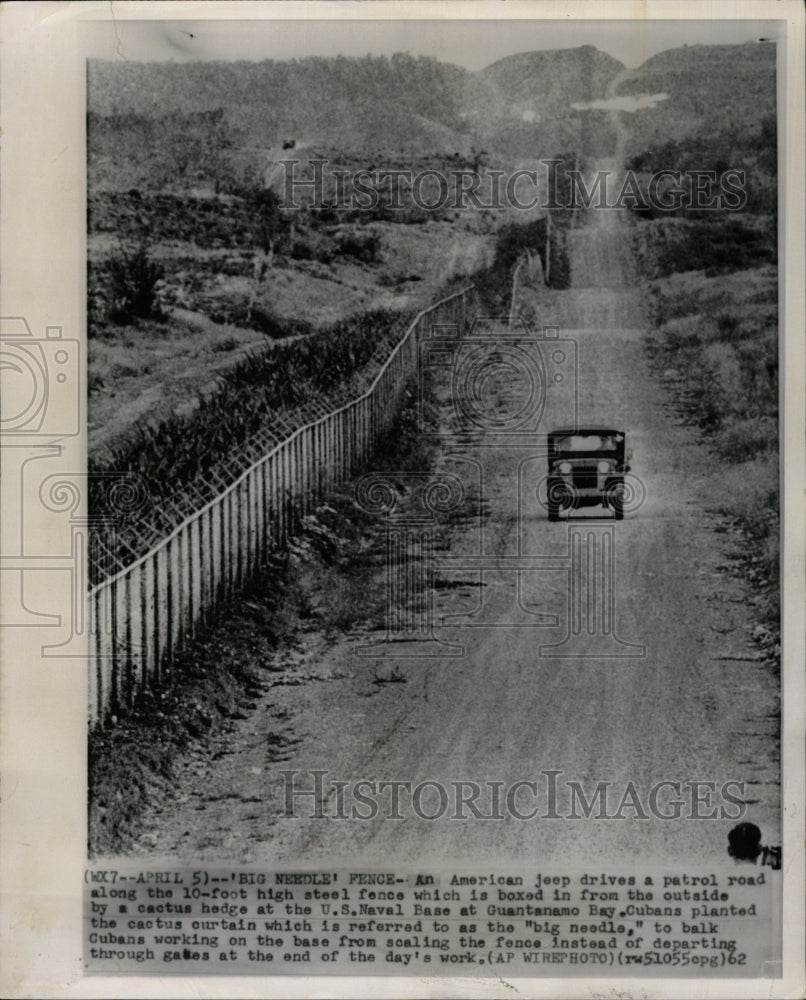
column 586, row 468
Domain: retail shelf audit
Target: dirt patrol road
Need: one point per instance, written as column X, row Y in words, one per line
column 699, row 706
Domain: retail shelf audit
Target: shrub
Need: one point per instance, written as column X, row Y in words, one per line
column 727, row 324
column 759, row 363
column 364, row 247
column 133, row 285
column 717, row 245
column 249, row 398
column 716, row 342
column 275, row 326
column 740, row 440
column 267, row 219
column 494, row 283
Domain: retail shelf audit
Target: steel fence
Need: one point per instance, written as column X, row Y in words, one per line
column 141, row 617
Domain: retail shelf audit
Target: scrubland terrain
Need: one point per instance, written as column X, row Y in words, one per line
column 715, row 348
column 218, row 292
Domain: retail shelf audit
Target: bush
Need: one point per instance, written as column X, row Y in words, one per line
column 267, row 219
column 133, row 285
column 727, row 324
column 364, row 247
column 740, row 440
column 494, row 283
column 758, row 357
column 718, row 245
column 308, row 245
column 274, row 326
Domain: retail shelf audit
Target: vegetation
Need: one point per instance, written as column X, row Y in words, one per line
column 710, row 88
column 207, row 222
column 754, row 154
column 132, row 278
column 719, row 151
column 716, row 346
column 494, row 283
column 164, row 125
column 236, row 268
column 545, row 238
column 256, row 394
column 157, row 126
column 713, row 295
column 268, row 222
column 715, row 245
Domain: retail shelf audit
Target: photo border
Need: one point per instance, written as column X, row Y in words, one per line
column 43, row 701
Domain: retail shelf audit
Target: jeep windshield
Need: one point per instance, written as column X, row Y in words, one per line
column 589, row 443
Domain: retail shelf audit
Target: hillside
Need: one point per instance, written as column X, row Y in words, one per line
column 369, row 104
column 179, row 155
column 156, row 123
column 522, row 105
column 548, row 82
column 711, row 88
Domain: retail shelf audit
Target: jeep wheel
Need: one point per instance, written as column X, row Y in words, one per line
column 560, row 497
column 614, row 499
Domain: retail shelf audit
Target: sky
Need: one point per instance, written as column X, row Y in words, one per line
column 469, row 43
